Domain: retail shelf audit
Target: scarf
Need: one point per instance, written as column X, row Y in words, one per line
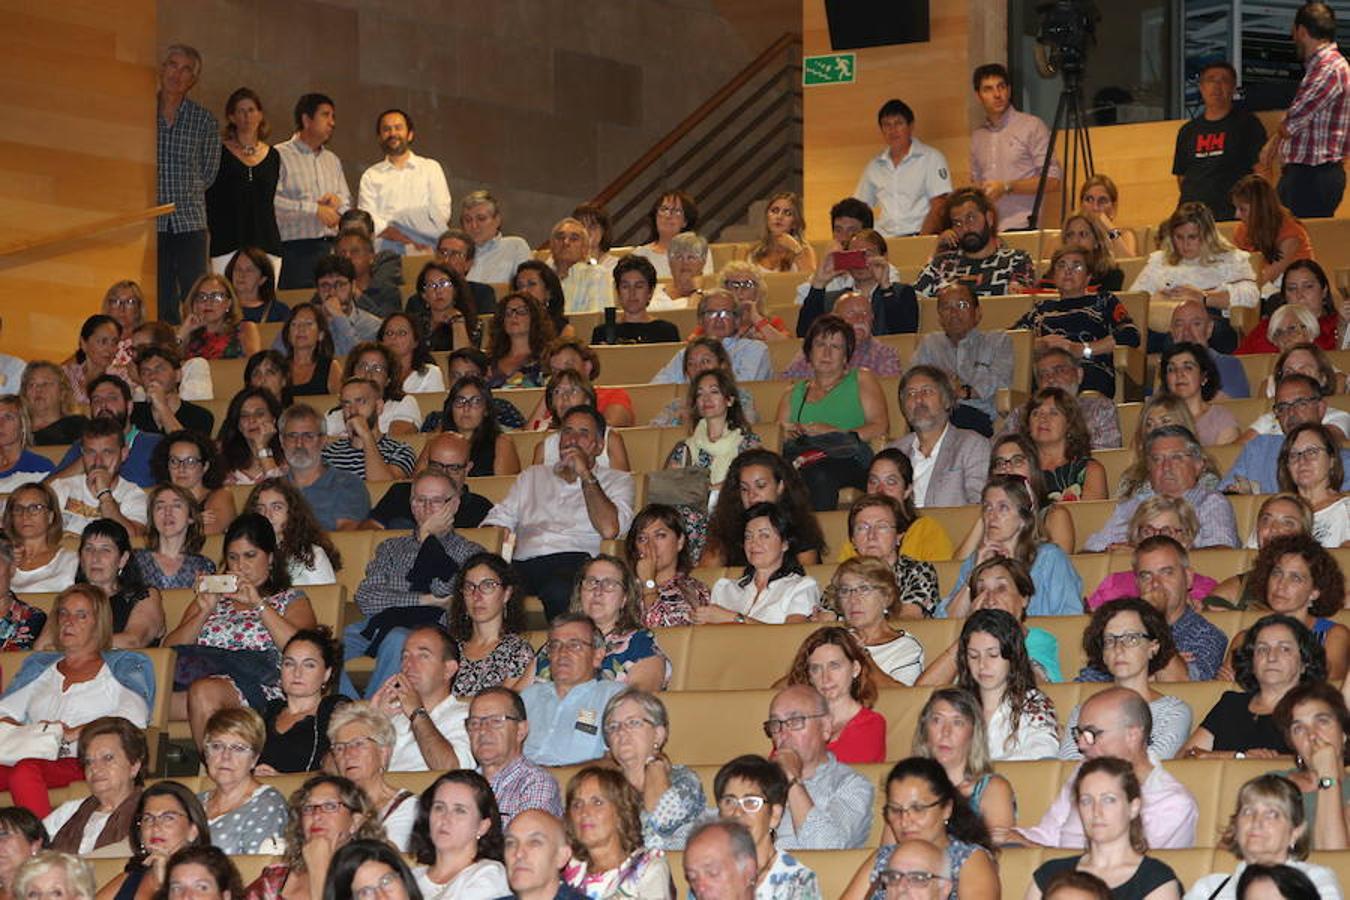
column 718, row 453
column 117, row 828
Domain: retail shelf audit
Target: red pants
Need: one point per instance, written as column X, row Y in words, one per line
column 28, row 779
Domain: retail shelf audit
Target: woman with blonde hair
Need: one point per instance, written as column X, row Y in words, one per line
column 53, row 410
column 746, row 284
column 1100, row 196
column 1084, row 229
column 362, row 739
column 244, row 814
column 1172, row 517
column 783, row 246
column 214, row 326
column 51, row 873
column 951, row 731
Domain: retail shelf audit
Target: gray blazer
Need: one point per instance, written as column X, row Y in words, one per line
column 960, row 470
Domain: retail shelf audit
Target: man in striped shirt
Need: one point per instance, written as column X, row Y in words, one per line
column 312, row 192
column 1311, row 140
column 364, row 450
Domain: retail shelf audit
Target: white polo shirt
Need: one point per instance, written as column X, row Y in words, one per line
column 904, row 192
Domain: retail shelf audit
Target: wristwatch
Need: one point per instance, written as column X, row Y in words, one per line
column 649, row 584
column 264, row 453
column 1326, row 784
column 1087, row 350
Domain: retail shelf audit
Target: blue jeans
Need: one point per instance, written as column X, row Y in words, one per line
column 388, row 659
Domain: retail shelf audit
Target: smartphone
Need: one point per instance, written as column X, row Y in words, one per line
column 219, row 584
column 850, row 259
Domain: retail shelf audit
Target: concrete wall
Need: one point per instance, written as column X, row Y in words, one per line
column 542, row 101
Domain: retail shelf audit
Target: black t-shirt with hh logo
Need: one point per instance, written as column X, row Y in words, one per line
column 1212, row 156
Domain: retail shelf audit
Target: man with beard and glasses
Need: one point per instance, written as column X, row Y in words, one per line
column 99, row 491
column 339, row 499
column 110, row 398
column 364, row 450
column 407, row 194
column 979, row 258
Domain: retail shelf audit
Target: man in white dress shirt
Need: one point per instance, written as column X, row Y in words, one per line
column 406, row 194
column 312, row 192
column 497, row 255
column 428, row 721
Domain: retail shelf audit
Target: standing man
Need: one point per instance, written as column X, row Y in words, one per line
column 407, row 194
column 977, row 362
column 1311, row 139
column 312, row 191
column 497, row 255
column 1008, row 150
column 908, row 180
column 187, row 155
column 1219, row 146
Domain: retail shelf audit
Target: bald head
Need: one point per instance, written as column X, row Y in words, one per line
column 1115, row 722
column 536, row 850
column 448, row 452
column 799, row 722
column 1191, row 323
column 720, row 862
column 915, row 859
column 856, row 310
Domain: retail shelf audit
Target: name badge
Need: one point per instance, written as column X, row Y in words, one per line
column 587, row 721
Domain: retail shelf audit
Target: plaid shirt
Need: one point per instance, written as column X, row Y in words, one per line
column 188, row 155
column 522, row 785
column 1318, row 119
column 306, row 175
column 386, row 583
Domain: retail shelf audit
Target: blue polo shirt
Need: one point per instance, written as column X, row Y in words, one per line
column 1259, row 461
column 565, row 731
column 136, row 469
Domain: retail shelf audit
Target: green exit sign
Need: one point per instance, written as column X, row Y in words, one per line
column 831, row 68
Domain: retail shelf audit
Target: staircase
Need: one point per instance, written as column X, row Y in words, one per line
column 741, row 145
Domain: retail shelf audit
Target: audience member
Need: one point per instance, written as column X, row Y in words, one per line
column 880, row 359
column 449, row 455
column 634, row 282
column 950, row 463
column 565, row 389
column 400, row 415
column 1298, row 406
column 406, row 194
column 673, row 212
column 921, row 537
column 908, row 181
column 189, row 459
column 746, row 283
column 832, row 661
column 52, row 405
column 311, row 192
column 1083, row 230
column 444, row 308
column 99, row 491
column 978, row 363
column 565, row 712
column 1187, row 372
column 213, row 326
column 20, row 623
column 1315, row 722
column 335, row 283
column 239, row 203
column 252, row 273
column 115, row 748
column 419, row 691
column 752, row 792
column 585, row 286
column 1310, row 465
column 993, row 664
column 310, row 350
column 865, row 594
column 1218, row 147
column 518, row 336
column 243, row 813
column 951, row 732
column 875, row 530
column 496, row 256
column 32, row 521
column 338, row 499
column 689, row 256
column 137, row 609
column 774, row 588
column 1016, row 454
column 498, row 727
column 1063, row 448
column 657, row 547
column 164, row 410
column 971, row 252
column 536, row 851
column 30, row 838
column 1059, row 367
column 365, row 450
column 297, row 724
column 96, row 355
column 1266, row 227
column 458, row 862
column 110, row 401
column 719, row 317
column 894, row 305
column 783, row 246
column 1192, row 323
column 604, row 829
column 309, row 553
column 362, row 739
column 1008, row 151
column 1278, row 515
column 1170, row 517
column 470, row 410
column 1162, row 571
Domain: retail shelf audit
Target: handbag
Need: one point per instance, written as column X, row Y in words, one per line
column 41, row 740
column 679, row 487
column 810, row 449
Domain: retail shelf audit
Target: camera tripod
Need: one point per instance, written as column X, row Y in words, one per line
column 1071, row 124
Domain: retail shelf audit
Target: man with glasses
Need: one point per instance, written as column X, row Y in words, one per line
column 1057, row 367
column 456, row 249
column 409, row 579
column 829, row 805
column 1219, row 146
column 429, row 721
column 721, row 862
column 970, row 251
column 1298, row 399
column 110, row 399
column 586, row 287
column 1117, row 722
column 560, row 514
column 720, row 316
column 1175, row 463
column 915, row 869
column 163, row 410
column 977, row 362
column 339, row 499
column 566, row 714
column 376, row 296
column 498, row 725
column 868, row 353
column 951, row 464
column 447, row 452
column 335, row 284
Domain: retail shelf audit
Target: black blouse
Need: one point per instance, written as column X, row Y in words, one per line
column 239, row 209
column 303, row 747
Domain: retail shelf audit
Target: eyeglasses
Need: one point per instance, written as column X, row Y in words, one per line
column 466, row 402
column 895, row 878
column 327, row 807
column 1070, row 265
column 373, row 368
column 125, row 302
column 184, row 462
column 915, row 393
column 516, row 312
column 593, row 585
column 430, row 502
column 441, row 283
column 969, row 220
column 1288, row 331
column 1148, row 531
column 341, row 747
column 493, row 723
column 955, row 306
column 1129, row 639
column 847, row 593
column 738, row 284
column 167, row 819
column 384, row 887
column 899, row 811
column 792, row 723
column 486, row 586
column 617, row 725
column 447, row 253
column 1000, row 463
column 335, row 284
column 670, row 210
column 867, row 528
column 28, row 509
column 751, row 803
column 1087, row 735
column 1307, row 454
column 720, row 314
column 213, row 297
column 1287, row 406
column 452, row 468
column 220, row 748
column 576, row 645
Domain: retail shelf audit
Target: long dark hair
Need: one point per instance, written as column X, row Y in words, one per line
column 513, row 611
column 1002, row 627
column 258, row 531
column 491, row 845
column 484, row 437
column 726, row 529
column 964, row 824
column 778, row 518
column 557, row 302
column 355, row 854
column 213, row 860
column 541, row 328
column 303, row 531
column 421, row 352
column 234, row 447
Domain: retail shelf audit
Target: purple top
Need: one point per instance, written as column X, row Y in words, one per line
column 1009, row 150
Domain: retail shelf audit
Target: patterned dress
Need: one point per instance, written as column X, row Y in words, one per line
column 622, row 652
column 511, row 658
column 229, row 628
column 675, row 602
column 194, row 564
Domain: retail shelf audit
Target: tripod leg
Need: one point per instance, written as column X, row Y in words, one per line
column 1061, row 114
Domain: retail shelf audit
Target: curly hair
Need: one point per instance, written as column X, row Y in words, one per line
column 862, row 687
column 668, row 516
column 1329, row 443
column 541, row 328
column 616, row 790
column 630, row 613
column 1155, row 626
column 513, row 610
column 302, row 531
column 463, row 296
column 589, row 358
column 351, row 796
column 1002, row 627
column 491, row 843
column 1322, row 566
column 213, row 471
column 67, row 403
column 726, row 528
column 1211, row 380
column 963, row 822
column 1312, row 657
column 234, row 447
column 967, row 705
column 196, row 531
column 393, row 386
column 556, row 303
column 1123, row 772
column 1077, row 440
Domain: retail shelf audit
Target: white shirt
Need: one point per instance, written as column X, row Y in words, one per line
column 1036, row 738
column 398, row 825
column 1323, row 879
column 484, row 879
column 905, row 191
column 58, row 817
column 786, row 596
column 496, row 261
column 432, row 381
column 548, row 515
column 11, row 373
column 586, row 289
column 1331, row 526
column 319, row 573
column 661, row 261
column 195, row 383
column 1230, row 271
column 414, row 198
column 448, row 716
column 103, row 695
column 56, row 575
column 552, row 454
column 901, row 659
column 1266, row 423
column 405, row 409
column 79, row 507
column 923, row 466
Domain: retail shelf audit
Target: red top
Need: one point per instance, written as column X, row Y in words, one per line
column 863, row 739
column 1257, row 340
column 608, row 396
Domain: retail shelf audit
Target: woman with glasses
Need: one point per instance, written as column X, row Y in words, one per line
column 190, row 460
column 1109, row 800
column 689, row 259
column 32, row 521
column 745, row 281
column 297, row 722
column 1188, row 372
column 124, row 301
column 213, row 325
column 565, row 389
column 774, row 587
column 308, row 551
column 53, row 408
column 672, row 213
column 457, row 840
column 173, row 540
column 636, row 729
column 1315, row 723
column 471, row 410
column 951, row 732
column 992, row 663
column 310, row 352
column 657, row 548
column 417, row 371
column 517, row 338
column 607, row 590
column 891, row 474
column 1083, row 229
column 168, row 818
column 250, row 444
column 401, row 416
column 604, row 827
column 753, row 791
column 444, row 308
column 99, row 339
column 362, row 741
column 923, row 804
column 1275, row 655
column 1296, row 576
column 487, row 621
column 864, row 593
column 243, row 813
column 1129, row 642
column 326, row 813
column 833, row 662
column 367, row 869
column 1309, row 464
column 254, row 277
column 1171, row 517
column 1056, row 426
column 1089, row 326
column 534, row 278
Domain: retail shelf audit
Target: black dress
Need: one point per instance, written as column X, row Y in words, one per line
column 239, row 209
column 317, row 386
column 1235, row 727
column 1151, row 875
column 303, row 747
column 65, row 430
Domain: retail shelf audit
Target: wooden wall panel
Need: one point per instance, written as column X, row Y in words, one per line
column 78, row 148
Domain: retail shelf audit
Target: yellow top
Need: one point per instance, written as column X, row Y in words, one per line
column 925, row 540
